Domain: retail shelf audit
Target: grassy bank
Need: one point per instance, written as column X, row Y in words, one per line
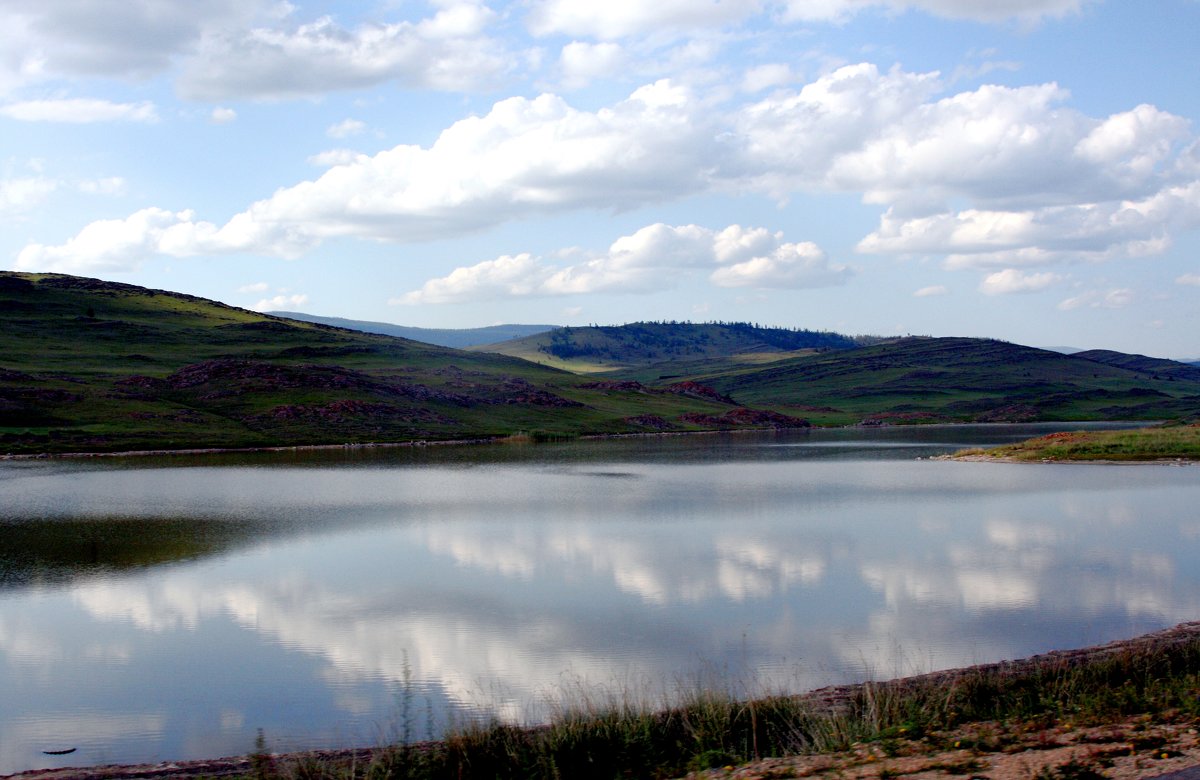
column 1143, row 444
column 1157, row 675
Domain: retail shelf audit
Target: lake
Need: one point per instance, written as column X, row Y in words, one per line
column 168, row 608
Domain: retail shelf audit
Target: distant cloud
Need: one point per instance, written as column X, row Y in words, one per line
column 667, row 18
column 332, row 157
column 450, row 50
column 256, row 287
column 56, row 38
column 222, row 116
column 22, row 193
column 1011, row 281
column 112, row 185
column 1189, row 279
column 932, row 291
column 609, row 20
column 651, row 259
column 580, row 62
column 346, row 128
column 285, row 302
column 80, row 111
column 764, row 77
column 1028, row 11
column 1096, row 299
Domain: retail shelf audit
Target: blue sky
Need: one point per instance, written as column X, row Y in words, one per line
column 1021, row 169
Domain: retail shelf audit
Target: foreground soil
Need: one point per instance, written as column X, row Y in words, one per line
column 1126, row 748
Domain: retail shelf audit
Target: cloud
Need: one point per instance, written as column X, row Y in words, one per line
column 54, row 38
column 763, row 77
column 124, row 244
column 672, row 18
column 581, row 63
column 222, row 116
column 256, row 287
column 1096, row 299
column 80, row 111
column 1028, row 11
column 1189, row 279
column 111, row 185
column 654, row 258
column 346, row 128
column 793, row 266
column 448, row 51
column 332, row 157
column 619, row 18
column 284, row 302
column 1011, row 281
column 994, row 178
column 931, row 292
column 22, row 193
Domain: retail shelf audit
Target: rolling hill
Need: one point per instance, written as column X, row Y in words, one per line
column 1151, row 368
column 88, row 365
column 459, row 338
column 960, row 380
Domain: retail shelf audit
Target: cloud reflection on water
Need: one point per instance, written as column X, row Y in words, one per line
column 504, row 589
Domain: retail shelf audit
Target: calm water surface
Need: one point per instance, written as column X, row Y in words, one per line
column 167, row 609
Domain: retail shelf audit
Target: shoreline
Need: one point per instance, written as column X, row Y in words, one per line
column 1070, row 461
column 514, row 438
column 829, row 699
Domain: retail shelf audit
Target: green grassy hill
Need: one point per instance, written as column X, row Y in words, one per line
column 1151, row 368
column 87, row 365
column 958, row 380
column 675, row 347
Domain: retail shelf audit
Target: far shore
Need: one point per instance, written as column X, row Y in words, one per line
column 506, row 439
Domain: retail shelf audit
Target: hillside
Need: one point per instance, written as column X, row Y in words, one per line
column 1153, row 368
column 88, row 365
column 679, row 347
column 959, row 380
column 459, row 338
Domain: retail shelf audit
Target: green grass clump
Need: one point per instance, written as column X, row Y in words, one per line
column 1157, row 443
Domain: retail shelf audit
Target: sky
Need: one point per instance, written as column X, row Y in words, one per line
column 1027, row 170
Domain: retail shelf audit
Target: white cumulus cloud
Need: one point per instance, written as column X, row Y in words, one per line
column 582, row 62
column 22, row 193
column 653, row 258
column 283, row 301
column 124, row 244
column 994, row 178
column 346, row 128
column 1099, row 299
column 787, row 266
column 1192, row 280
column 976, row 10
column 54, row 38
column 1010, row 280
column 449, row 51
column 80, row 111
column 618, row 18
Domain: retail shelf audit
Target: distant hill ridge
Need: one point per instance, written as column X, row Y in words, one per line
column 459, row 338
column 648, row 343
